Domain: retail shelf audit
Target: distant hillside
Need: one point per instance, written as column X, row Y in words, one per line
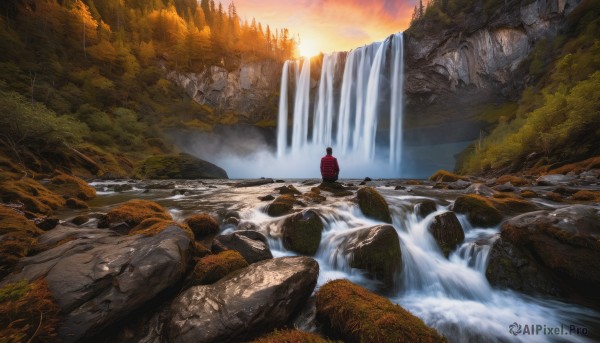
column 92, row 73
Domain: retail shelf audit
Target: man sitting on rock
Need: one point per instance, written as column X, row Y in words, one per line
column 329, row 167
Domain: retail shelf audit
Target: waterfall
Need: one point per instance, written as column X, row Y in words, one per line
column 356, row 107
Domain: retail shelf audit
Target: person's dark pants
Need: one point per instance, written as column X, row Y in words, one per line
column 330, row 179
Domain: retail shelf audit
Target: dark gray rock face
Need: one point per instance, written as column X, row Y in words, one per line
column 250, row 244
column 447, row 231
column 555, row 180
column 375, row 249
column 99, row 277
column 425, row 208
column 302, row 232
column 246, row 303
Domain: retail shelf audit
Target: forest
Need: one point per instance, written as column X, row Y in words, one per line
column 91, row 72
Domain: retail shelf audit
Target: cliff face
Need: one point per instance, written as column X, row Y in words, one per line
column 451, row 74
column 251, row 91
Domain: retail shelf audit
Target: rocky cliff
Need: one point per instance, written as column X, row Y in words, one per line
column 250, row 91
column 452, row 72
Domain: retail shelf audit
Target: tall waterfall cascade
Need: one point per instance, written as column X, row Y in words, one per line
column 356, row 107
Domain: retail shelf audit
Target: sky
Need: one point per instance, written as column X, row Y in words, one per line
column 330, row 25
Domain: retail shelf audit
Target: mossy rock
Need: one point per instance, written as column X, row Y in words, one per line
column 134, row 212
column 447, row 231
column 332, row 187
column 373, row 205
column 528, row 194
column 290, row 189
column 202, row 225
column 212, row 268
column 586, row 196
column 508, row 203
column 314, row 197
column 22, row 304
column 291, row 336
column 35, row 197
column 153, row 226
column 281, row 205
column 302, row 232
column 376, row 250
column 76, row 204
column 425, row 207
column 479, row 210
column 18, row 238
column 514, row 180
column 182, row 166
column 71, row 187
column 445, row 176
column 358, row 315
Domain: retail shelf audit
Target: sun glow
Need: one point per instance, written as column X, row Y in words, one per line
column 308, row 49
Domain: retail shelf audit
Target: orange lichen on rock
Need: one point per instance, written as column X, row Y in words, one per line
column 291, row 336
column 445, row 176
column 134, row 212
column 71, row 187
column 202, row 225
column 17, row 238
column 35, row 197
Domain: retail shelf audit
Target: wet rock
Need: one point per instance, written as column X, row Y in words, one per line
column 373, row 205
column 564, row 241
column 310, row 182
column 480, row 189
column 358, row 315
column 554, row 180
column 76, row 204
column 512, row 267
column 314, row 196
column 122, row 188
column 399, row 188
column 98, row 277
column 425, row 207
column 479, row 210
column 231, row 221
column 254, row 183
column 376, row 250
column 283, row 204
column 507, row 187
column 367, row 179
column 302, row 232
column 46, row 223
column 80, row 220
column 247, row 302
column 266, row 198
column 279, row 181
column 362, row 183
column 134, row 212
column 120, row 228
column 181, row 166
column 289, row 189
column 565, row 191
column 527, row 193
column 248, row 226
column 459, row 184
column 251, row 244
column 160, row 185
column 447, row 231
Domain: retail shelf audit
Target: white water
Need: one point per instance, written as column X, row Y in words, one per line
column 345, row 110
column 451, row 295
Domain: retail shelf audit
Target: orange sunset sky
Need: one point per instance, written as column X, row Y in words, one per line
column 331, row 25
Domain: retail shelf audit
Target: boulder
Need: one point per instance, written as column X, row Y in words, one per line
column 373, row 205
column 76, row 204
column 479, row 210
column 375, row 249
column 71, row 187
column 134, row 212
column 480, row 189
column 565, row 242
column 268, row 197
column 314, row 196
column 445, row 176
column 459, row 184
column 512, row 267
column 254, row 183
column 289, row 189
column 425, row 207
column 122, row 188
column 358, row 315
column 244, row 304
column 447, row 231
column 512, row 179
column 182, row 166
column 252, row 245
column 80, row 220
column 287, row 336
column 47, row 223
column 98, row 277
column 507, row 187
column 282, row 205
column 302, row 232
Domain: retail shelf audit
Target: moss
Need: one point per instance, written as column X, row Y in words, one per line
column 17, row 238
column 553, row 196
column 290, row 189
column 514, row 180
column 28, row 313
column 291, row 336
column 586, row 196
column 182, row 166
column 281, row 205
column 202, row 225
column 358, row 315
column 212, row 268
column 302, row 232
column 35, row 197
column 445, row 176
column 479, row 210
column 529, row 194
column 71, row 187
column 134, row 212
column 75, row 203
column 111, row 164
column 314, row 197
column 200, row 250
column 510, row 203
column 373, row 205
column 590, row 163
column 153, row 226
